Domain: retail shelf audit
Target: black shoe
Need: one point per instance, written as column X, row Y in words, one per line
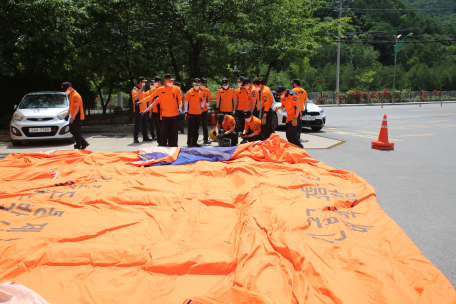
column 76, row 147
column 196, row 145
column 85, row 144
column 154, row 138
column 244, row 142
column 182, row 132
column 136, row 141
column 147, row 139
column 206, row 142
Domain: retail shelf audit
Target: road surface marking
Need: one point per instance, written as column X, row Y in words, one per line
column 417, row 135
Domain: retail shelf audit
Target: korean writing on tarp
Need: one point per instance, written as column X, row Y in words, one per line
column 346, row 218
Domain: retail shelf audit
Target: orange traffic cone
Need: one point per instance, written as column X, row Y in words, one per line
column 213, row 118
column 383, row 143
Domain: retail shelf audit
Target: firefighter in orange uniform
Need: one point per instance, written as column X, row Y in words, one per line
column 252, row 129
column 168, row 99
column 75, row 115
column 207, row 101
column 290, row 102
column 302, row 102
column 241, row 103
column 138, row 93
column 154, row 117
column 224, row 96
column 266, row 100
column 194, row 104
column 226, row 127
column 253, row 96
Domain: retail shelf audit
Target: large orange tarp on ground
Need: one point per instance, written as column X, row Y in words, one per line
column 271, row 226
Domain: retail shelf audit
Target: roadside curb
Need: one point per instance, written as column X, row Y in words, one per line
column 379, row 104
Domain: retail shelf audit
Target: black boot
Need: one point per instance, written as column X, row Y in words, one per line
column 147, row 139
column 136, row 141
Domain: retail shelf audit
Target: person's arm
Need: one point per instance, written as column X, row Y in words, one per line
column 253, row 134
column 229, row 131
column 136, row 97
column 152, row 106
column 75, row 112
column 150, row 97
column 298, row 110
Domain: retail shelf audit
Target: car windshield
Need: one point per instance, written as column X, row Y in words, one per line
column 44, row 101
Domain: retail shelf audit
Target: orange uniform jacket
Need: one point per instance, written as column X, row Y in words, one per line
column 207, row 95
column 302, row 96
column 253, row 97
column 229, row 124
column 290, row 101
column 226, row 99
column 242, row 96
column 168, row 98
column 143, row 105
column 76, row 100
column 266, row 99
column 194, row 99
column 254, row 125
column 148, row 93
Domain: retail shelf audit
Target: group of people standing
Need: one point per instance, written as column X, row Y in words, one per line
column 250, row 104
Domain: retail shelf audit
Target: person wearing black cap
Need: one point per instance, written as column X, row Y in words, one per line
column 179, row 85
column 194, row 104
column 224, row 96
column 265, row 105
column 290, row 102
column 302, row 102
column 226, row 127
column 241, row 102
column 137, row 94
column 168, row 99
column 252, row 130
column 207, row 100
column 75, row 115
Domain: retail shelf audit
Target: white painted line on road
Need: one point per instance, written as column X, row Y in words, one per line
column 417, row 135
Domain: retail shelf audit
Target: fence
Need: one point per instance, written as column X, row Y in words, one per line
column 354, row 97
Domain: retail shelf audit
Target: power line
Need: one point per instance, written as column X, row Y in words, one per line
column 399, row 9
column 391, row 41
column 393, row 31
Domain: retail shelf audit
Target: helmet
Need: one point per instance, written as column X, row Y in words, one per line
column 213, row 135
column 224, row 142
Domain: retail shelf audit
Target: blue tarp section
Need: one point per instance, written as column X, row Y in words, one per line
column 192, row 155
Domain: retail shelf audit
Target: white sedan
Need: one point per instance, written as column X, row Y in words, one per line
column 41, row 115
column 315, row 117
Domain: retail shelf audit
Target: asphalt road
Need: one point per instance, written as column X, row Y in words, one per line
column 415, row 183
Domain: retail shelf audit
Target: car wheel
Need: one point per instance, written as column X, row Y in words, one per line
column 316, row 128
column 16, row 142
column 275, row 121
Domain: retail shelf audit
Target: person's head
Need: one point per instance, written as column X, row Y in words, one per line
column 225, row 83
column 258, row 83
column 157, row 81
column 280, row 91
column 67, row 88
column 141, row 81
column 296, row 83
column 240, row 80
column 196, row 83
column 203, row 83
column 169, row 79
column 246, row 84
column 220, row 118
column 178, row 84
column 248, row 115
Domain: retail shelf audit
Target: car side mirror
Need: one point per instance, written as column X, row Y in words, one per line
column 15, row 107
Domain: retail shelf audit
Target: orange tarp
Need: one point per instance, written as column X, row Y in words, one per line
column 272, row 225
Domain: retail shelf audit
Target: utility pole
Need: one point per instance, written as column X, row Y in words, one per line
column 338, row 51
column 397, row 47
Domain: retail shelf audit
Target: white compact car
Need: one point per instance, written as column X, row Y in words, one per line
column 41, row 115
column 315, row 117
